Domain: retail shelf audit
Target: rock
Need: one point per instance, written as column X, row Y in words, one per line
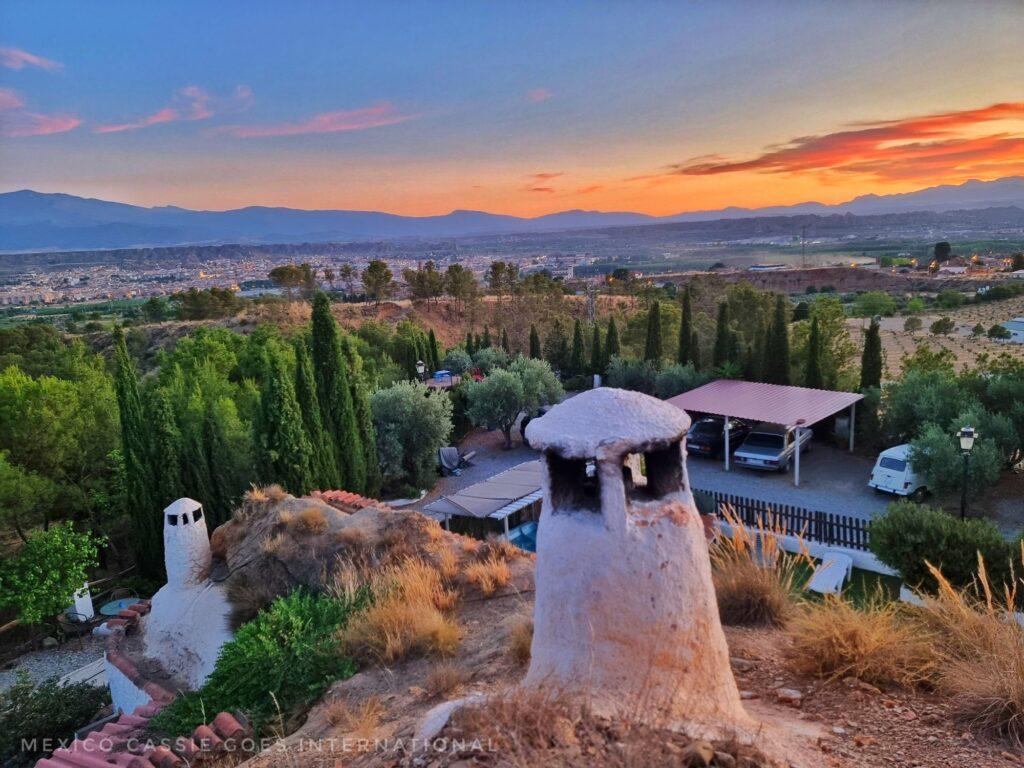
column 741, row 665
column 698, row 754
column 724, row 760
column 789, row 696
column 748, row 695
column 862, row 740
column 50, row 642
column 838, row 730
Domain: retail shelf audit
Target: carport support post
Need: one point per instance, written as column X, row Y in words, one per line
column 725, row 426
column 853, row 420
column 505, row 521
column 796, row 473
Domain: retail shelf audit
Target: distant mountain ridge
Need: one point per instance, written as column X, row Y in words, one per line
column 38, row 221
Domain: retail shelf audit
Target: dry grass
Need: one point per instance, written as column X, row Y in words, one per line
column 273, row 544
column 444, row 678
column 756, row 581
column 520, row 639
column 982, row 656
column 489, row 575
column 876, row 644
column 359, row 720
column 311, row 520
column 448, row 563
column 407, row 617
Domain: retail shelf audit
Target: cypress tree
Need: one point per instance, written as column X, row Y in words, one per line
column 364, row 415
column 147, row 522
column 683, row 355
column 324, row 464
column 166, row 448
column 335, row 397
column 283, row 452
column 611, row 342
column 470, row 349
column 222, row 485
column 723, row 342
column 812, row 372
column 487, row 337
column 433, row 352
column 535, row 352
column 871, row 358
column 695, row 351
column 652, row 344
column 478, row 343
column 577, row 359
column 504, row 342
column 596, row 355
column 776, row 368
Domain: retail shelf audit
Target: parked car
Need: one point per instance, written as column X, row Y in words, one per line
column 894, row 474
column 707, row 436
column 771, row 447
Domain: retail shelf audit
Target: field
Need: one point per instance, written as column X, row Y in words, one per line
column 897, row 343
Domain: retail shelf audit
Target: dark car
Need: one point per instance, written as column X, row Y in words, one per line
column 707, row 436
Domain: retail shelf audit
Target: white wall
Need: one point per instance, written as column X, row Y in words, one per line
column 123, row 692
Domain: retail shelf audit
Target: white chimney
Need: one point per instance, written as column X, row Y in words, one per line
column 625, row 608
column 186, row 543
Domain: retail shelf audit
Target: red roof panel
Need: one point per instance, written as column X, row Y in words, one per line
column 774, row 403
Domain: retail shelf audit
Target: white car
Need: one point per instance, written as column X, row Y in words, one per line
column 771, row 447
column 894, row 474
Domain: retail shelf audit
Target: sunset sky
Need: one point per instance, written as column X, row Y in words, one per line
column 524, row 108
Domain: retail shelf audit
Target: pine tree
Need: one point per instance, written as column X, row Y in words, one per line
column 723, row 332
column 324, row 464
column 165, row 448
column 283, row 452
column 144, row 512
column 535, row 352
column 652, row 344
column 577, row 358
column 683, row 355
column 504, row 342
column 335, row 397
column 364, row 415
column 611, row 342
column 871, row 358
column 812, row 372
column 433, row 353
column 487, row 337
column 470, row 348
column 776, row 368
column 695, row 351
column 596, row 355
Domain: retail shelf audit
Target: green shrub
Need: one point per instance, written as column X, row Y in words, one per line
column 909, row 534
column 34, row 717
column 281, row 661
column 577, row 383
column 631, row 373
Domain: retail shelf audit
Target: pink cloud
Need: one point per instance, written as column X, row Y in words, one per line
column 546, row 175
column 190, row 103
column 537, row 95
column 379, row 114
column 15, row 58
column 16, row 121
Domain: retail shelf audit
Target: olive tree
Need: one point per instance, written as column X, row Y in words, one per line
column 497, row 401
column 411, row 422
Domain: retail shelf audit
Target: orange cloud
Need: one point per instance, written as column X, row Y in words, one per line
column 537, row 95
column 545, row 190
column 17, row 121
column 906, row 148
column 191, row 103
column 15, row 58
column 546, row 175
column 379, row 114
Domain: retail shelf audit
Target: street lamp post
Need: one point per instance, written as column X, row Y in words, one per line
column 421, row 369
column 967, row 437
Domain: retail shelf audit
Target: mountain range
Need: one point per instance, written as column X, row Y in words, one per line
column 38, row 221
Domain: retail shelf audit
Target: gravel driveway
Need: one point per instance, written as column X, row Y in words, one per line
column 54, row 662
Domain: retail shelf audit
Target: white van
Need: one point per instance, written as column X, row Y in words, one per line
column 893, row 473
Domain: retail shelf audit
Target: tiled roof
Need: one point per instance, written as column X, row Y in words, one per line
column 124, row 742
column 346, row 501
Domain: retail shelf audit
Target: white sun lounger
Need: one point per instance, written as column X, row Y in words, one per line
column 829, row 576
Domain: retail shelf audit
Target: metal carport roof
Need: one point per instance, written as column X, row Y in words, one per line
column 774, row 403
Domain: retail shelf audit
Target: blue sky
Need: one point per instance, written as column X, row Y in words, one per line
column 513, row 107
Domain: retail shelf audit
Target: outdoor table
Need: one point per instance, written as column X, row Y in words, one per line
column 114, row 607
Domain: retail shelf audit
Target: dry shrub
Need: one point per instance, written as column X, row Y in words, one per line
column 406, row 617
column 520, row 639
column 521, row 721
column 981, row 650
column 489, row 575
column 500, row 549
column 272, row 545
column 285, row 517
column 448, row 563
column 756, row 581
column 311, row 520
column 359, row 720
column 876, row 644
column 443, row 678
column 256, row 494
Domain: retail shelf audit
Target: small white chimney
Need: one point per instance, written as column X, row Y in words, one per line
column 186, row 543
column 625, row 609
